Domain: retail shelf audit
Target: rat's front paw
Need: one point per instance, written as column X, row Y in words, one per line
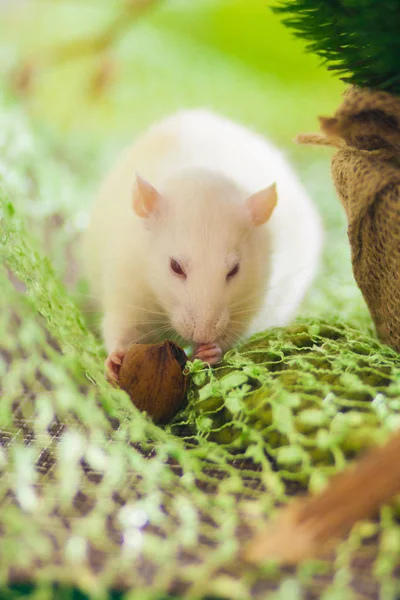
column 209, row 353
column 113, row 365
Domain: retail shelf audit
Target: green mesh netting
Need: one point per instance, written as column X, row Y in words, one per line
column 94, row 496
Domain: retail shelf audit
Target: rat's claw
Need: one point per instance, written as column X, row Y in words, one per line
column 113, row 365
column 209, row 353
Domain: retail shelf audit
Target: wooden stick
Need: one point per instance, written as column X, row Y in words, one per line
column 307, row 526
column 319, row 139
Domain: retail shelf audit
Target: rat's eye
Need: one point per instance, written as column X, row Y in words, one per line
column 234, row 271
column 177, row 269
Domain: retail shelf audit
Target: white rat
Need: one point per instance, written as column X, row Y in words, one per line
column 202, row 230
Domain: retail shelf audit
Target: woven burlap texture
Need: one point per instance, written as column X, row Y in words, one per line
column 366, row 174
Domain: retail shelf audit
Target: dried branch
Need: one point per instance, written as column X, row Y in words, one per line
column 132, row 11
column 22, row 79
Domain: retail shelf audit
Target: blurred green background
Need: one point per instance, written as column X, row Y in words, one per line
column 92, row 74
column 231, row 55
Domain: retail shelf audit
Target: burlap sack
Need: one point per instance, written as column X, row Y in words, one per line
column 366, row 174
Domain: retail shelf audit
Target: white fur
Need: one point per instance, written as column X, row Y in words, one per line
column 205, row 166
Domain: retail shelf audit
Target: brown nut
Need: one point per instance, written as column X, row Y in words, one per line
column 152, row 375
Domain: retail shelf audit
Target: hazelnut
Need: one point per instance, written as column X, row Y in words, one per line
column 152, row 375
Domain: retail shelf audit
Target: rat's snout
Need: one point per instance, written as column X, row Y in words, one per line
column 208, row 328
column 202, row 335
column 200, row 323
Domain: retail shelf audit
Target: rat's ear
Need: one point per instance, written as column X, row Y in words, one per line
column 145, row 198
column 261, row 204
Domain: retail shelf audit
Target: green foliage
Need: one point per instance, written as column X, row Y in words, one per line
column 358, row 39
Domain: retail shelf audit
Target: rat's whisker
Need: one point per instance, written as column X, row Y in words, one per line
column 127, row 305
column 243, row 312
column 235, row 322
column 153, row 332
column 245, row 299
column 231, row 338
column 175, row 338
column 149, row 322
column 150, row 311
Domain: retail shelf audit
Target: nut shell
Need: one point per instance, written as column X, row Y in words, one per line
column 152, row 375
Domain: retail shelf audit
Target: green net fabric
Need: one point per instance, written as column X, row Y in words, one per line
column 95, row 497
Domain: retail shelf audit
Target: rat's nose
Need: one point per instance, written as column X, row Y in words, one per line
column 207, row 330
column 204, row 332
column 202, row 335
